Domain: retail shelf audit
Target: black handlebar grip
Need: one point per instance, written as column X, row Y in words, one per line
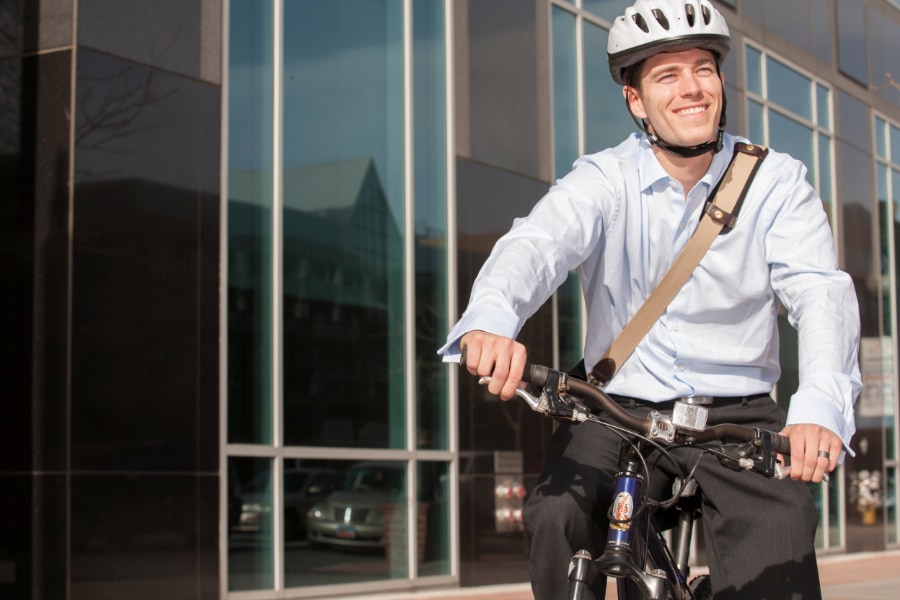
column 781, row 444
column 536, row 375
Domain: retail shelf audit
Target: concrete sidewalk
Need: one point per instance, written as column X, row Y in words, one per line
column 863, row 576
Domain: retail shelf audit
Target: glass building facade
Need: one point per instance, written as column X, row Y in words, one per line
column 235, row 232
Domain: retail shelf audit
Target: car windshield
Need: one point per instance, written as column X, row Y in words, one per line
column 374, row 477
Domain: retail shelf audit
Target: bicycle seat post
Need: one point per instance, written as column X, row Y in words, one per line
column 688, row 513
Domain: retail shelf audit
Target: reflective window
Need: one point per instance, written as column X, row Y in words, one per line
column 788, row 88
column 756, row 130
column 791, row 20
column 168, row 35
column 343, row 224
column 322, row 195
column 854, row 188
column 823, row 106
column 787, row 135
column 893, row 533
column 430, row 194
column 606, row 120
column 894, row 138
column 607, row 9
column 826, row 190
column 753, row 65
column 507, row 121
column 822, row 31
column 855, row 122
column 884, row 47
column 851, row 33
column 887, row 157
column 804, row 23
column 344, row 522
column 250, row 124
column 250, row 565
column 792, row 114
column 565, row 92
column 351, row 522
column 433, row 518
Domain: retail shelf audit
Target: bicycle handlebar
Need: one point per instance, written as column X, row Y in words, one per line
column 540, row 376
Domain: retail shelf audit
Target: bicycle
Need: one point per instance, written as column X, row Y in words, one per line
column 636, row 553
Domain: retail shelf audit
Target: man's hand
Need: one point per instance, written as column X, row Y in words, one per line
column 500, row 358
column 814, row 451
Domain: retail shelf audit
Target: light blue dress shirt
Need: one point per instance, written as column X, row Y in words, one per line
column 621, row 220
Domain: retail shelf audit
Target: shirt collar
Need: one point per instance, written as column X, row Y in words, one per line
column 651, row 172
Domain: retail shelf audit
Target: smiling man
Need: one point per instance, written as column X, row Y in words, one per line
column 621, row 217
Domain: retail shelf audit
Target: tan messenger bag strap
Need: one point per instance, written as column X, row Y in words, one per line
column 720, row 213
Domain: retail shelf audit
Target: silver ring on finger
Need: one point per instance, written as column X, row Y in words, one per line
column 825, row 454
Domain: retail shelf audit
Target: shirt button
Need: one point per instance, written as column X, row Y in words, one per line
column 681, row 367
column 682, row 225
column 675, row 327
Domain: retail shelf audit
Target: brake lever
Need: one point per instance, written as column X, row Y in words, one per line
column 551, row 402
column 535, row 403
column 759, row 456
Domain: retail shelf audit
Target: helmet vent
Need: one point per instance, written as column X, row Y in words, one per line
column 661, row 18
column 689, row 13
column 640, row 22
column 707, row 16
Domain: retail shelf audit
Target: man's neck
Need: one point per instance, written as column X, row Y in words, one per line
column 687, row 171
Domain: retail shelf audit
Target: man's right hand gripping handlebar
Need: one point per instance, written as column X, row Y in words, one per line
column 500, row 358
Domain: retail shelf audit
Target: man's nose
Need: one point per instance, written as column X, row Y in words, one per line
column 690, row 84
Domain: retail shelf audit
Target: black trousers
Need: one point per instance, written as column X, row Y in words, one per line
column 759, row 532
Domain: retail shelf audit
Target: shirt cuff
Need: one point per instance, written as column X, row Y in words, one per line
column 823, row 412
column 489, row 319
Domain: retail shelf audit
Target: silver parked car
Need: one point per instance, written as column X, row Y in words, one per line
column 303, row 487
column 354, row 516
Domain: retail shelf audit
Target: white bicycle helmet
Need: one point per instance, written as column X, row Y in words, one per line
column 652, row 26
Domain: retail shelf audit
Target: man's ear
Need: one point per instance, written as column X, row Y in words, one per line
column 634, row 102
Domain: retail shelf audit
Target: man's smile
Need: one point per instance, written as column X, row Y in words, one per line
column 692, row 110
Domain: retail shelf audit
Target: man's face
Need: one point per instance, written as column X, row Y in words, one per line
column 680, row 96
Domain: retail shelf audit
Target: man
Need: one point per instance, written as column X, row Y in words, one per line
column 621, row 216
